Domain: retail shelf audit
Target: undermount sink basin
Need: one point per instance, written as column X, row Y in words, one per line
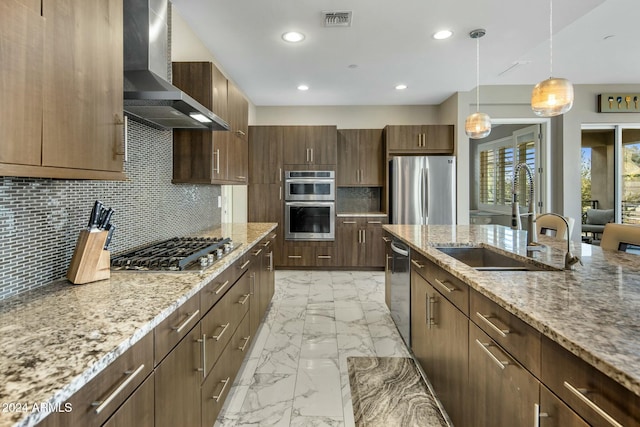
column 482, row 258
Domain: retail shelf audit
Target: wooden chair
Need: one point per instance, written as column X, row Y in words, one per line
column 616, row 237
column 553, row 226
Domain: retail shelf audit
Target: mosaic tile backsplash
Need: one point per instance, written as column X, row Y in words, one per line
column 359, row 199
column 40, row 218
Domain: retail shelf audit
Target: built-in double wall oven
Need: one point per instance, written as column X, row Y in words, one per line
column 309, row 208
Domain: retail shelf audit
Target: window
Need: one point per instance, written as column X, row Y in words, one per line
column 497, row 160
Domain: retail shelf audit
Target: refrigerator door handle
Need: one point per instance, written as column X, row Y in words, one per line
column 425, row 181
column 422, row 190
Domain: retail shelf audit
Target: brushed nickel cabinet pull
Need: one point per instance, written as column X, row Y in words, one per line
column 485, row 317
column 443, row 284
column 279, row 193
column 580, row 394
column 224, row 385
column 324, row 256
column 537, row 415
column 224, row 285
column 386, row 239
column 244, row 299
column 416, row 263
column 294, row 256
column 267, row 243
column 184, row 324
column 246, row 341
column 311, row 154
column 364, row 236
column 224, row 329
column 270, row 266
column 348, row 222
column 104, row 403
column 241, row 177
column 247, row 262
column 501, row 363
column 256, row 253
column 216, row 154
column 375, row 222
column 203, row 351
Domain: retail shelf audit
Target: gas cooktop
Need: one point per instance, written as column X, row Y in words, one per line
column 177, row 254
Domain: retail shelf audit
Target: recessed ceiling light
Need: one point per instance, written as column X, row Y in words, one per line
column 293, row 37
column 442, row 34
column 303, row 87
column 401, row 87
column 352, row 66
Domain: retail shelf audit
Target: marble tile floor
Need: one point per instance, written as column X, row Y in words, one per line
column 296, row 372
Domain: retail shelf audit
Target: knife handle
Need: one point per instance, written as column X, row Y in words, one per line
column 94, row 220
column 104, row 222
column 110, row 228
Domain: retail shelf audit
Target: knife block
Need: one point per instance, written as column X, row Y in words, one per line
column 90, row 262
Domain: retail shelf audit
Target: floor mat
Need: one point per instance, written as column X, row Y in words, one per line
column 389, row 392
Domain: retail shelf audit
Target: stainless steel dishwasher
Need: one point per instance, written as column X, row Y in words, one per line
column 401, row 289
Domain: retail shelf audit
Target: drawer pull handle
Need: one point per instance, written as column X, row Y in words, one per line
column 485, row 317
column 245, row 264
column 224, row 329
column 184, row 324
column 203, row 348
column 580, row 395
column 224, row 386
column 348, row 222
column 537, row 415
column 246, row 341
column 256, row 253
column 131, row 375
column 324, row 256
column 417, row 264
column 224, row 285
column 267, row 243
column 444, row 286
column 386, row 239
column 374, row 222
column 244, row 299
column 294, row 256
column 485, row 346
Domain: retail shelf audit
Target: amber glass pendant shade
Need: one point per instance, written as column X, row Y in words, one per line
column 552, row 97
column 477, row 125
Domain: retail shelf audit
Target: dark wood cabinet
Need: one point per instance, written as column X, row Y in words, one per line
column 138, row 410
column 63, row 70
column 265, row 205
column 307, row 146
column 419, row 139
column 265, row 155
column 552, row 412
column 439, row 334
column 361, row 158
column 359, row 241
column 211, row 157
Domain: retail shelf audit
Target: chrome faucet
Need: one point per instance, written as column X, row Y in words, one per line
column 516, row 224
column 569, row 259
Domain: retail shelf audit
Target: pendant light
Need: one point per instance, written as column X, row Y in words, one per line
column 477, row 125
column 553, row 96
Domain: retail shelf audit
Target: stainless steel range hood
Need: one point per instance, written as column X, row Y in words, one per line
column 148, row 96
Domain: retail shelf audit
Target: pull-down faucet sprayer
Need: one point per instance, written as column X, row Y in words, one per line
column 516, row 224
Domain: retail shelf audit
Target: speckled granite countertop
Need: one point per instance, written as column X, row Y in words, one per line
column 56, row 338
column 592, row 311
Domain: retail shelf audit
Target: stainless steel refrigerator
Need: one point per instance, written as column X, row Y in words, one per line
column 422, row 190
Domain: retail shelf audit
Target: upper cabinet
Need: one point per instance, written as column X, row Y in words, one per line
column 211, row 157
column 420, row 139
column 62, row 69
column 265, row 154
column 361, row 159
column 310, row 146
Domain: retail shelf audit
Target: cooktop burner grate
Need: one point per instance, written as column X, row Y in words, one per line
column 177, row 254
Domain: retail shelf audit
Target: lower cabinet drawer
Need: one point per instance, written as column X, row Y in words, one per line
column 597, row 398
column 138, row 410
column 554, row 413
column 217, row 385
column 324, row 257
column 515, row 336
column 215, row 289
column 94, row 403
column 175, row 327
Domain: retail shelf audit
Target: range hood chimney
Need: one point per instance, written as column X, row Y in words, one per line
column 148, row 96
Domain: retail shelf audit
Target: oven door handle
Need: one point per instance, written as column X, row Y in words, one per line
column 309, row 180
column 306, row 204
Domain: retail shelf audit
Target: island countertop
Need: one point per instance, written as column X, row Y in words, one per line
column 58, row 337
column 593, row 311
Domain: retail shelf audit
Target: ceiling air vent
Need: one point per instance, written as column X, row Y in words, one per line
column 337, row 18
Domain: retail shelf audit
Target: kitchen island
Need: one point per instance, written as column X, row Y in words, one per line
column 591, row 311
column 57, row 338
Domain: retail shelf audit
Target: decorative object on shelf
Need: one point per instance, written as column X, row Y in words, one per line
column 477, row 125
column 553, row 96
column 619, row 103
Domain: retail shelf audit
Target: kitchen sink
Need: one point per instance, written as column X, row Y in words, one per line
column 482, row 258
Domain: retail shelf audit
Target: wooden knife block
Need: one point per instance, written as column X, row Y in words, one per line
column 90, row 261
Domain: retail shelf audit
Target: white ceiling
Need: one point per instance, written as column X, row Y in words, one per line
column 594, row 42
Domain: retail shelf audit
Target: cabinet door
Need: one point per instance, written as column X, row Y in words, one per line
column 420, row 327
column 21, row 59
column 204, row 82
column 265, row 203
column 348, row 164
column 554, row 413
column 371, row 158
column 295, row 149
column 256, row 288
column 265, row 154
column 197, row 156
column 268, row 279
column 322, row 141
column 177, row 382
column 501, row 391
column 138, row 409
column 83, row 84
column 237, row 150
column 374, row 248
column 348, row 232
column 404, row 138
column 439, row 138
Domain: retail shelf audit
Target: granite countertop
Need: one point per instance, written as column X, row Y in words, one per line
column 592, row 311
column 58, row 337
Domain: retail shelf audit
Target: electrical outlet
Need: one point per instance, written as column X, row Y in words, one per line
column 219, row 201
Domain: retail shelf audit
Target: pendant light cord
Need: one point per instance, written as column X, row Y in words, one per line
column 477, row 74
column 550, row 38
